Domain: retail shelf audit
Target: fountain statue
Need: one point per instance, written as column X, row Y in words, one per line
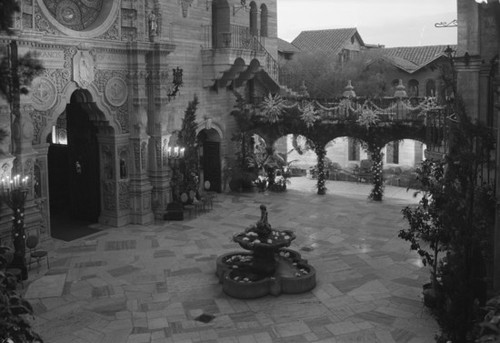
column 268, row 266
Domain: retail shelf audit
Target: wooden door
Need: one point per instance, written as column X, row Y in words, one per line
column 212, row 165
column 83, row 165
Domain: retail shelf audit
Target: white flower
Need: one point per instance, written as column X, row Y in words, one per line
column 368, row 118
column 272, row 106
column 269, row 241
column 309, row 115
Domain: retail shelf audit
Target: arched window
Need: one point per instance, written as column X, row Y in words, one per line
column 221, row 30
column 392, row 152
column 354, row 149
column 263, row 20
column 413, row 88
column 254, row 31
column 430, row 88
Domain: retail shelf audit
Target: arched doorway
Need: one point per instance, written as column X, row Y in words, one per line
column 73, row 164
column 221, row 28
column 210, row 153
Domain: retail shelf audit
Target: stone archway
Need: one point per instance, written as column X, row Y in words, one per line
column 210, row 154
column 76, row 167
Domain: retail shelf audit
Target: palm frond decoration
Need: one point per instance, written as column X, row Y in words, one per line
column 368, row 118
column 309, row 115
column 272, row 107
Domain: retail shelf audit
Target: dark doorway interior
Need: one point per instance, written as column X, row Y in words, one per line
column 74, row 177
column 211, row 160
column 211, row 165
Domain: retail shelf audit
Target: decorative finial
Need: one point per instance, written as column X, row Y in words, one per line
column 349, row 90
column 303, row 90
column 400, row 90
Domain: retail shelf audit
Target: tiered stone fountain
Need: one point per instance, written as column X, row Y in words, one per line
column 267, row 267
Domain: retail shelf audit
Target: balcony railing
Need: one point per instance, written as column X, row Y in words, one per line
column 238, row 37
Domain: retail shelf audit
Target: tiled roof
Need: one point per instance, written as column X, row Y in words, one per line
column 332, row 40
column 413, row 58
column 284, row 46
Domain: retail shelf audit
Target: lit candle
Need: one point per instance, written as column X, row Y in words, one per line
column 169, row 151
column 54, row 135
column 182, row 152
column 176, row 151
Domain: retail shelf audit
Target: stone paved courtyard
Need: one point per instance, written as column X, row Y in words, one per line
column 140, row 284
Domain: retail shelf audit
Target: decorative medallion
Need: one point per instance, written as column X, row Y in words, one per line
column 78, row 15
column 83, row 68
column 116, row 91
column 43, row 93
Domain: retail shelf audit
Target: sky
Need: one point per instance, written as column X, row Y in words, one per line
column 387, row 22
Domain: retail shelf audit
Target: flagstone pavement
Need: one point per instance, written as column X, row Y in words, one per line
column 139, row 284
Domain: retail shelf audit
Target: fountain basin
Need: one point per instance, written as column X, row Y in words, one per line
column 268, row 266
column 287, row 279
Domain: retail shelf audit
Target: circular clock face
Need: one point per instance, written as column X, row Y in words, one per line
column 78, row 15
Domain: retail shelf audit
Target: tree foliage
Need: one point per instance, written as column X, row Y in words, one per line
column 16, row 74
column 325, row 77
column 187, row 140
column 7, row 10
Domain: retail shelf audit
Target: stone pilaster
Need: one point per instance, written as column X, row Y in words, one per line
column 141, row 211
column 468, row 81
column 41, row 190
column 159, row 172
column 114, row 159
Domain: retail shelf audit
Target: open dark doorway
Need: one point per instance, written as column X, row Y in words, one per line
column 211, row 160
column 74, row 174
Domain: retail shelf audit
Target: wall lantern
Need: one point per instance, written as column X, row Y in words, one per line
column 177, row 82
column 243, row 5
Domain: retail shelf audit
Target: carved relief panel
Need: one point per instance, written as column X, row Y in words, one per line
column 83, row 69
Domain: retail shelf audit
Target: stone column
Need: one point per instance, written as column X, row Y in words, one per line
column 159, row 172
column 140, row 185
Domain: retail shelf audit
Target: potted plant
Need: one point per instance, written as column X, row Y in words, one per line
column 14, row 310
column 425, row 232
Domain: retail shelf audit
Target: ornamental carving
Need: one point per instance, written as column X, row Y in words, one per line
column 165, row 152
column 129, row 34
column 109, row 196
column 113, row 33
column 107, row 162
column 122, row 118
column 123, row 195
column 116, row 91
column 69, row 53
column 137, row 156
column 158, row 152
column 102, row 78
column 39, row 120
column 144, row 149
column 185, row 4
column 42, row 23
column 58, row 77
column 43, row 93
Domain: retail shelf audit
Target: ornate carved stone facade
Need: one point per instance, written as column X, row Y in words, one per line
column 111, row 62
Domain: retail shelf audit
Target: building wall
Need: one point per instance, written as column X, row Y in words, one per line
column 139, row 57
